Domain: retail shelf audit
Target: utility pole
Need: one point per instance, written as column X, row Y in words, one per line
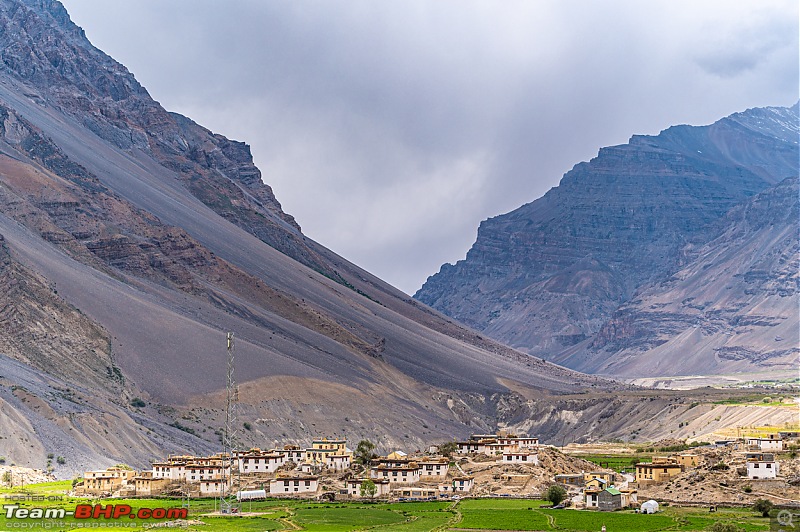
column 228, row 502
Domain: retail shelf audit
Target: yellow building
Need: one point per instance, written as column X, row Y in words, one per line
column 602, row 475
column 657, row 471
column 598, row 484
column 330, row 445
column 688, row 460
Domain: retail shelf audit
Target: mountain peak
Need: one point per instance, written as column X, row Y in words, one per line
column 546, row 277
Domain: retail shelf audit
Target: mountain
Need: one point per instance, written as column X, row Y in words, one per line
column 732, row 309
column 600, row 273
column 133, row 239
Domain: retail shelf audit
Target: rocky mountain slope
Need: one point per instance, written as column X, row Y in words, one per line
column 553, row 277
column 133, row 239
column 733, row 308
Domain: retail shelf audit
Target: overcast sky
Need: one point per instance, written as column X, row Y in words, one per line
column 391, row 128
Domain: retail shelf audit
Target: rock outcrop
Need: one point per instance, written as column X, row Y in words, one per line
column 732, row 308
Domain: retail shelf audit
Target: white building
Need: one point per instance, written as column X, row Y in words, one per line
column 473, row 446
column 256, row 461
column 338, row 462
column 293, row 453
column 590, row 497
column 293, row 485
column 520, row 442
column 458, row 485
column 766, row 444
column 212, row 487
column 353, row 487
column 169, row 470
column 199, row 473
column 433, row 468
column 519, row 457
column 762, row 468
column 397, row 475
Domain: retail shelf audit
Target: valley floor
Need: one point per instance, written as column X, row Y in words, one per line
column 485, row 514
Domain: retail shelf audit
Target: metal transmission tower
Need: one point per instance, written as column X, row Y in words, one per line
column 228, row 503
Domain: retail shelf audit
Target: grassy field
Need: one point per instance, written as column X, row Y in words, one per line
column 494, row 514
column 617, row 462
column 467, row 514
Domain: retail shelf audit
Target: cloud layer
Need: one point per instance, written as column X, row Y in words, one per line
column 391, row 129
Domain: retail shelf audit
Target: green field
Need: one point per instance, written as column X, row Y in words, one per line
column 617, row 462
column 467, row 514
column 511, row 514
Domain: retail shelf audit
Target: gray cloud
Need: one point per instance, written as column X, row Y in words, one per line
column 751, row 42
column 391, row 129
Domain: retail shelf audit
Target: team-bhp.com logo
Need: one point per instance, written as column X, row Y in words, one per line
column 94, row 511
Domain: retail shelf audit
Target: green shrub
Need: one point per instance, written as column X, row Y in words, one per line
column 763, row 507
column 555, row 494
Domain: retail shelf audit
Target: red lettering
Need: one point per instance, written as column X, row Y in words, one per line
column 83, row 511
column 159, row 513
column 144, row 513
column 103, row 511
column 177, row 513
column 121, row 510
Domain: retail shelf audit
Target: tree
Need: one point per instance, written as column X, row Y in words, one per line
column 448, row 448
column 763, row 506
column 7, row 478
column 365, row 451
column 555, row 494
column 368, row 488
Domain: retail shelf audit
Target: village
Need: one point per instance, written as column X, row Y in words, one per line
column 733, row 472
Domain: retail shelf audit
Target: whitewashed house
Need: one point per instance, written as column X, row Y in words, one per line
column 766, row 444
column 408, row 474
column 458, row 485
column 169, row 470
column 256, row 461
column 353, row 487
column 519, row 457
column 293, row 485
column 520, row 442
column 339, row 462
column 762, row 467
column 212, row 487
column 433, row 467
